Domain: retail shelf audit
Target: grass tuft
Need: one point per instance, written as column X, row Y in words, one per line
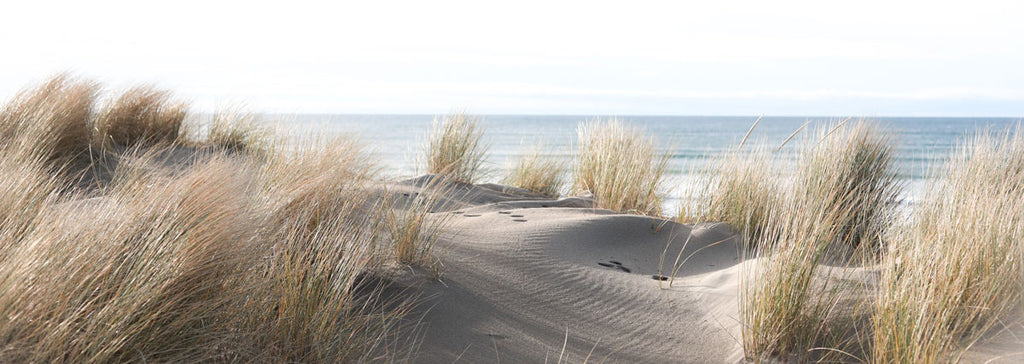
column 237, row 132
column 796, row 295
column 537, row 172
column 191, row 252
column 455, row 148
column 741, row 189
column 141, row 115
column 51, row 121
column 958, row 267
column 620, row 166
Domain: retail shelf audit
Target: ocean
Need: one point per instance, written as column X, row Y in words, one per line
column 397, row 140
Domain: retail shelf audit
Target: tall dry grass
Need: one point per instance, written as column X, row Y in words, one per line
column 187, row 254
column 141, row 115
column 537, row 172
column 52, row 121
column 789, row 299
column 137, row 275
column 957, row 269
column 851, row 169
column 831, row 216
column 239, row 132
column 620, row 166
column 455, row 148
column 741, row 189
column 412, row 229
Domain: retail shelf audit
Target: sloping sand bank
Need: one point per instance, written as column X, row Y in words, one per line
column 521, row 275
column 533, row 280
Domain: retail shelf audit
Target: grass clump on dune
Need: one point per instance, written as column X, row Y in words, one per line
column 139, row 274
column 742, row 188
column 187, row 251
column 851, row 170
column 838, row 204
column 537, row 172
column 142, row 115
column 237, row 132
column 620, row 166
column 455, row 148
column 957, row 269
column 52, row 121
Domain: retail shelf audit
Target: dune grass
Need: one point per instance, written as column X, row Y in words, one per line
column 831, row 216
column 620, row 166
column 956, row 269
column 741, row 188
column 851, row 170
column 142, row 115
column 455, row 148
column 51, row 121
column 238, row 132
column 190, row 252
column 411, row 228
column 537, row 172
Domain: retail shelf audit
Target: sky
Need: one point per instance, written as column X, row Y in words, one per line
column 782, row 57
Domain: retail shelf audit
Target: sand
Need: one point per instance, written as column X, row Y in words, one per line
column 524, row 276
column 533, row 280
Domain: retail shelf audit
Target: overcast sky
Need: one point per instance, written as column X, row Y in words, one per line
column 871, row 58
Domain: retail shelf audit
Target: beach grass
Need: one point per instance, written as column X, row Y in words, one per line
column 955, row 270
column 50, row 122
column 620, row 166
column 239, row 132
column 831, row 217
column 741, row 188
column 455, row 148
column 537, row 172
column 850, row 168
column 190, row 251
column 141, row 115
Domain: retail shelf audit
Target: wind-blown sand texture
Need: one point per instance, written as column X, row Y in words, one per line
column 521, row 273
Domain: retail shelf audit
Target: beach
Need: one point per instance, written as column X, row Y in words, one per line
column 129, row 233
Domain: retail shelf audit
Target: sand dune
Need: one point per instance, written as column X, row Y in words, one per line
column 524, row 276
column 522, row 273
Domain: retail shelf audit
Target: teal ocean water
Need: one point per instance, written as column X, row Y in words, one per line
column 923, row 143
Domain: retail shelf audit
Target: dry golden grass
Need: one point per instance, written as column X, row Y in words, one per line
column 850, row 169
column 411, row 228
column 187, row 254
column 741, row 189
column 239, row 132
column 958, row 267
column 840, row 200
column 788, row 299
column 455, row 148
column 141, row 115
column 51, row 121
column 620, row 166
column 537, row 172
column 137, row 275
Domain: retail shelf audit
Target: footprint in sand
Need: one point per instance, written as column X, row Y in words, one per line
column 659, row 277
column 505, row 212
column 519, row 220
column 471, row 215
column 616, row 265
column 457, row 212
column 515, row 215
